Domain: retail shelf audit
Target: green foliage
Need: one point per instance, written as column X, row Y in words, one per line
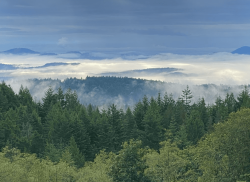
column 187, row 96
column 194, row 127
column 224, row 154
column 77, row 157
column 187, row 142
column 129, row 164
column 153, row 129
column 98, row 170
column 167, row 165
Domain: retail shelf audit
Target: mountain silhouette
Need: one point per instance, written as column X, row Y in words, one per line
column 20, row 51
column 242, row 50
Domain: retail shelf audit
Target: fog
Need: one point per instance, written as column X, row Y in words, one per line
column 225, row 69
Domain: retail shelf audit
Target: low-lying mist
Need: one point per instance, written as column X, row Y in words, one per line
column 123, row 92
column 208, row 76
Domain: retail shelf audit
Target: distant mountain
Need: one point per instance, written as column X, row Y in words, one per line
column 20, row 51
column 48, row 54
column 242, row 50
column 7, row 67
column 13, row 67
column 73, row 52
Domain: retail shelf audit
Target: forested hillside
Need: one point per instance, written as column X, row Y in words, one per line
column 158, row 139
column 124, row 91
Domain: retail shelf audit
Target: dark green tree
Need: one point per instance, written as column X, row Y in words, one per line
column 76, row 155
column 129, row 125
column 187, row 96
column 194, row 127
column 153, row 133
column 243, row 100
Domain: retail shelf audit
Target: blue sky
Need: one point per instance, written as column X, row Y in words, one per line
column 142, row 26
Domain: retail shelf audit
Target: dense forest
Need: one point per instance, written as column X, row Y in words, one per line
column 159, row 139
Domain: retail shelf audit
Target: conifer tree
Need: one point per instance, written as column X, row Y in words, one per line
column 8, row 96
column 139, row 113
column 78, row 158
column 230, row 103
column 60, row 97
column 129, row 125
column 81, row 132
column 168, row 110
column 201, row 107
column 48, row 101
column 116, row 133
column 187, row 96
column 243, row 99
column 194, row 127
column 153, row 133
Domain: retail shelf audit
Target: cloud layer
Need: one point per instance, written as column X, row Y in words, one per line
column 181, row 26
column 220, row 68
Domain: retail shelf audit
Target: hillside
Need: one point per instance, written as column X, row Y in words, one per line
column 124, row 91
column 160, row 139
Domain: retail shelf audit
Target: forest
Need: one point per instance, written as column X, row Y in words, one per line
column 159, row 139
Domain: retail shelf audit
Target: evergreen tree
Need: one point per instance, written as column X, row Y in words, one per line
column 187, row 96
column 76, row 155
column 168, row 110
column 60, row 97
column 71, row 100
column 139, row 113
column 116, row 133
column 8, row 98
column 194, row 127
column 25, row 98
column 48, row 101
column 243, row 99
column 201, row 107
column 230, row 103
column 129, row 125
column 81, row 132
column 153, row 130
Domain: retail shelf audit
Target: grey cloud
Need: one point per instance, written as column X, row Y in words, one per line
column 126, row 24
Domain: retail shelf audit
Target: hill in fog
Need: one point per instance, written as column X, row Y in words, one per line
column 124, row 91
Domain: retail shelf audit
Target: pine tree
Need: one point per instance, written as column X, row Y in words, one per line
column 139, row 113
column 78, row 158
column 25, row 98
column 201, row 107
column 129, row 125
column 81, row 131
column 168, row 110
column 194, row 127
column 187, row 96
column 230, row 103
column 48, row 101
column 153, row 133
column 116, row 133
column 243, row 99
column 60, row 97
column 71, row 100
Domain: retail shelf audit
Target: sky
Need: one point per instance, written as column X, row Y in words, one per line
column 190, row 27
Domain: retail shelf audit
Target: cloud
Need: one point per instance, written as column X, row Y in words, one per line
column 219, row 68
column 225, row 70
column 183, row 26
column 62, row 41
